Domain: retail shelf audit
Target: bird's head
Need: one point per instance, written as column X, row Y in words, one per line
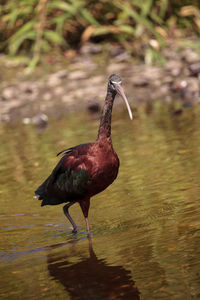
column 114, row 85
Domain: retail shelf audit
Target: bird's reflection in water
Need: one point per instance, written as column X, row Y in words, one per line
column 91, row 278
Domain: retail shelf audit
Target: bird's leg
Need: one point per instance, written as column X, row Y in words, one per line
column 87, row 225
column 65, row 209
column 85, row 205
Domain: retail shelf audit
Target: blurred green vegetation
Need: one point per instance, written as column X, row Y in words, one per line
column 35, row 27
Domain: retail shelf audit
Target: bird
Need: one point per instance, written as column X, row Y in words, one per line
column 87, row 169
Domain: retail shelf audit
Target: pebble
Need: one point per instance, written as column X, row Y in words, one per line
column 58, row 90
column 8, row 93
column 5, row 118
column 47, row 96
column 93, row 106
column 40, row 120
column 26, row 121
column 96, row 80
column 53, row 80
column 178, row 85
column 190, row 56
column 174, row 67
column 61, row 74
column 67, row 99
column 140, row 82
column 195, row 68
column 76, row 75
column 192, row 90
column 123, row 57
column 91, row 48
column 116, row 68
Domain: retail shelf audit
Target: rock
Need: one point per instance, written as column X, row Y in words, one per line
column 190, row 56
column 96, row 79
column 125, row 56
column 116, row 51
column 191, row 92
column 8, row 93
column 67, row 99
column 195, row 68
column 47, row 96
column 179, row 85
column 114, row 68
column 12, row 104
column 152, row 73
column 53, row 80
column 140, row 81
column 167, row 79
column 174, row 67
column 70, row 54
column 61, row 74
column 76, row 75
column 28, row 90
column 5, row 118
column 79, row 93
column 26, row 121
column 154, row 44
column 170, row 54
column 59, row 90
column 90, row 48
column 161, row 92
column 188, row 88
column 93, row 106
column 178, row 111
column 84, row 63
column 176, row 72
column 40, row 120
column 28, row 87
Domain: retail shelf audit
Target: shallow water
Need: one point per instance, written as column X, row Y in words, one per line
column 145, row 226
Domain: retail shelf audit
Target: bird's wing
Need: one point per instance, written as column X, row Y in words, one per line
column 72, row 172
column 69, row 179
column 81, row 147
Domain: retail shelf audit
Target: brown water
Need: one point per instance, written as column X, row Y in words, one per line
column 145, row 227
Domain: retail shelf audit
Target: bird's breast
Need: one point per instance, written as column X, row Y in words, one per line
column 104, row 170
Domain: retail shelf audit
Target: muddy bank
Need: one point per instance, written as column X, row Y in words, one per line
column 81, row 84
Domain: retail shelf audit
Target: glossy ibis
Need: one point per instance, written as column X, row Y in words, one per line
column 87, row 169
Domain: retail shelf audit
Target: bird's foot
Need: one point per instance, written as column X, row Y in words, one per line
column 75, row 230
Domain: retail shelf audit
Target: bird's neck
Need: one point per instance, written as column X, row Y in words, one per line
column 106, row 117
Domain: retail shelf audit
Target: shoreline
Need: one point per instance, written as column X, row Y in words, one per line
column 81, row 84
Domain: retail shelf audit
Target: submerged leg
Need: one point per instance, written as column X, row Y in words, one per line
column 85, row 205
column 65, row 209
column 87, row 225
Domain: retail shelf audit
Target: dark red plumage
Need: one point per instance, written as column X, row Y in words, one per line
column 87, row 169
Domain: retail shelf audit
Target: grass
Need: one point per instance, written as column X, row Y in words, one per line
column 34, row 27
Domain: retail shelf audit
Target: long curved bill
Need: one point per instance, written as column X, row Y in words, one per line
column 120, row 91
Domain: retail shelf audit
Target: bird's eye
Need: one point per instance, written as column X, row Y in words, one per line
column 112, row 85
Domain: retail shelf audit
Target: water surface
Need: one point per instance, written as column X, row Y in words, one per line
column 145, row 226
